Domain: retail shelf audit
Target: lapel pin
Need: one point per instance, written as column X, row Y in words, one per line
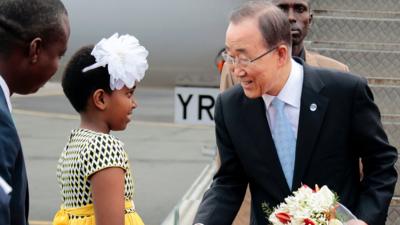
column 313, row 107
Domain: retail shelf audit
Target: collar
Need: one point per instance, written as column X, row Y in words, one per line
column 6, row 92
column 291, row 92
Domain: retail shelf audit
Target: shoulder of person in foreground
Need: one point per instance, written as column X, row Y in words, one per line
column 227, row 78
column 318, row 60
column 331, row 77
column 103, row 151
column 232, row 94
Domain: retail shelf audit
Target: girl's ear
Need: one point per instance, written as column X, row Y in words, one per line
column 100, row 99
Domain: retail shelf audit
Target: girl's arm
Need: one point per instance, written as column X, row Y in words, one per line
column 108, row 186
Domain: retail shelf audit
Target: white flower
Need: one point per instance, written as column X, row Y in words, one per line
column 335, row 222
column 125, row 58
column 305, row 204
column 323, row 199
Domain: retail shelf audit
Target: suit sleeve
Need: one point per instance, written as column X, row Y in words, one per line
column 378, row 158
column 8, row 157
column 222, row 201
column 4, row 207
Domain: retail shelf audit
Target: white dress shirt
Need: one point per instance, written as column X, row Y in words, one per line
column 5, row 186
column 290, row 95
column 6, row 92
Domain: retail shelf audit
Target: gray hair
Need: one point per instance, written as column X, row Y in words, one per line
column 273, row 23
column 23, row 20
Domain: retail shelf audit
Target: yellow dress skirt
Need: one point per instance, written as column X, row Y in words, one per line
column 85, row 216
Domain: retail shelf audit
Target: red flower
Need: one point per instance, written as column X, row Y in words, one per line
column 283, row 217
column 308, row 222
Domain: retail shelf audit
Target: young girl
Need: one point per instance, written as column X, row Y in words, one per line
column 93, row 170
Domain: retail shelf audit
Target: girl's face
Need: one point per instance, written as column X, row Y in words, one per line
column 120, row 107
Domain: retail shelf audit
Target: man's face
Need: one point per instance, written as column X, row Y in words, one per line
column 299, row 15
column 244, row 41
column 47, row 62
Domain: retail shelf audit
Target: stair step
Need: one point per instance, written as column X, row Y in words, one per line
column 377, row 64
column 393, row 47
column 391, row 118
column 357, row 13
column 393, row 132
column 387, row 98
column 367, row 5
column 394, row 212
column 377, row 81
column 352, row 29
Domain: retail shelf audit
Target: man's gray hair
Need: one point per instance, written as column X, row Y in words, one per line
column 273, row 23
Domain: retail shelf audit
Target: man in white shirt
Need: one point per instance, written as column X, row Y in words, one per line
column 33, row 38
column 300, row 17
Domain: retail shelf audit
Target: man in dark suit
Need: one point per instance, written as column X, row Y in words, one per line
column 4, row 201
column 300, row 16
column 289, row 124
column 33, row 38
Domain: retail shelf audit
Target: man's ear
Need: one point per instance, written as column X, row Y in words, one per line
column 100, row 99
column 35, row 47
column 283, row 52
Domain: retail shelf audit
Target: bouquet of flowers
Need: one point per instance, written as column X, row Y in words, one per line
column 311, row 207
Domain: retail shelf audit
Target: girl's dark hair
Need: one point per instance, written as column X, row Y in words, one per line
column 79, row 86
column 23, row 20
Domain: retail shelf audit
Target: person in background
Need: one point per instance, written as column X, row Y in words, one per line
column 33, row 38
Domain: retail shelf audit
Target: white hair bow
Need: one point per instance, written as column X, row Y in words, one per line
column 125, row 57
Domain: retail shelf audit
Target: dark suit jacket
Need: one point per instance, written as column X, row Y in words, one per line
column 12, row 167
column 4, row 211
column 330, row 140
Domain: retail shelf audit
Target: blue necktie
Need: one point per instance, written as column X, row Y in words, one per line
column 285, row 141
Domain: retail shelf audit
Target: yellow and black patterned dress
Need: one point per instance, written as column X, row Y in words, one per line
column 85, row 153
